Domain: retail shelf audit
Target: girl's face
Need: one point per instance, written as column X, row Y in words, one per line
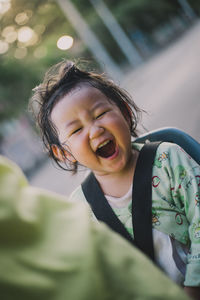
column 94, row 130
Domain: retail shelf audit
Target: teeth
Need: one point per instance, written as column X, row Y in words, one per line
column 103, row 144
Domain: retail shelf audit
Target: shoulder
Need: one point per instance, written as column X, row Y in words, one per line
column 164, row 146
column 172, row 155
column 168, row 149
column 173, row 151
column 165, row 149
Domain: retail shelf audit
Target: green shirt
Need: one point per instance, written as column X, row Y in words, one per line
column 51, row 249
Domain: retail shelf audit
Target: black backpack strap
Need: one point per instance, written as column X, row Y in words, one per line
column 101, row 207
column 141, row 202
column 142, row 199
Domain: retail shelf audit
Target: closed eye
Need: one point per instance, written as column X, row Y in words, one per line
column 101, row 114
column 76, row 130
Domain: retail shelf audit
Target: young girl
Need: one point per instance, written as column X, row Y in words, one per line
column 86, row 120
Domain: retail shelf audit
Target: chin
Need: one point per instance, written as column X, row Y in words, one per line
column 119, row 168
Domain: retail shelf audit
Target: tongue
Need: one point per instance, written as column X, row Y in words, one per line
column 107, row 150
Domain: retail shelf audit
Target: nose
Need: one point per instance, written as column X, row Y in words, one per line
column 95, row 131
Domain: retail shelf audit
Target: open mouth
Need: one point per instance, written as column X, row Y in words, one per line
column 106, row 149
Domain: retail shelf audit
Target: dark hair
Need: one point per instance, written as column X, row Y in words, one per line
column 59, row 81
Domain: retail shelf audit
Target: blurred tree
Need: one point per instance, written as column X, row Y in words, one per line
column 23, row 62
column 16, row 82
column 145, row 14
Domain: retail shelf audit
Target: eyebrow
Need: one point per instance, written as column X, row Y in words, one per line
column 98, row 105
column 70, row 123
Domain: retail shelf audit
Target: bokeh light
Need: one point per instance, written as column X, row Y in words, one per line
column 65, row 42
column 4, row 6
column 3, row 47
column 27, row 36
column 23, row 17
column 10, row 34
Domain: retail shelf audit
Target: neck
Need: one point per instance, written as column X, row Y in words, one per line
column 118, row 184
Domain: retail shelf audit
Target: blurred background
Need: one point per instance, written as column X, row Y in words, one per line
column 149, row 47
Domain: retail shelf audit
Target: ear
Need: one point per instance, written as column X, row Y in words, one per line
column 59, row 155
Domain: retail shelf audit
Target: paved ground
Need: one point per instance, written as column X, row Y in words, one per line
column 167, row 86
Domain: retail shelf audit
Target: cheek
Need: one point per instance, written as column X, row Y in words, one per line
column 121, row 130
column 119, row 123
column 78, row 145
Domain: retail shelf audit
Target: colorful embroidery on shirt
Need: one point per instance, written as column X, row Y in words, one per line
column 162, row 157
column 181, row 176
column 155, row 220
column 197, row 199
column 180, row 173
column 155, row 181
column 178, row 219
